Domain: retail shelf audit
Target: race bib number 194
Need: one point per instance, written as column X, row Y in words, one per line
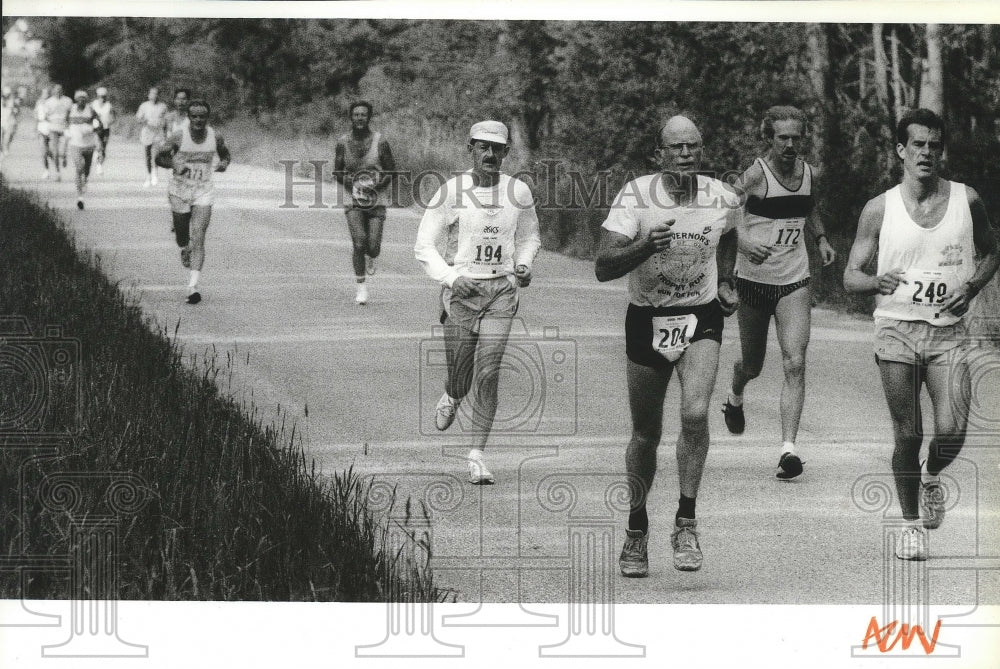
column 672, row 334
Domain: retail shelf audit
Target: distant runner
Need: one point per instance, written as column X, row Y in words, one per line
column 42, row 128
column 194, row 153
column 82, row 124
column 56, row 115
column 106, row 113
column 177, row 118
column 363, row 164
column 151, row 114
column 926, row 234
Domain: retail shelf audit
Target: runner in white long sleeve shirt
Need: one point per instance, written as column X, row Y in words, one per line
column 495, row 244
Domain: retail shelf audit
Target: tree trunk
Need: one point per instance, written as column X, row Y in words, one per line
column 818, row 69
column 932, row 79
column 898, row 94
column 881, row 66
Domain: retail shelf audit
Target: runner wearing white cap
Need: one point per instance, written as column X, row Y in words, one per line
column 82, row 121
column 363, row 164
column 497, row 239
column 106, row 113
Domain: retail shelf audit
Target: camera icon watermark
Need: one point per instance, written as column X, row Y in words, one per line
column 41, row 375
column 537, row 381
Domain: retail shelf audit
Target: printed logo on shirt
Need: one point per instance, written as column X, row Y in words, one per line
column 951, row 256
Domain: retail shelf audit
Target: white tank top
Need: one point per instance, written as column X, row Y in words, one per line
column 199, row 158
column 778, row 220
column 935, row 261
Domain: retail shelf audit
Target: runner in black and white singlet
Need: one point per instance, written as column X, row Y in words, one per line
column 363, row 164
column 106, row 113
column 926, row 232
column 81, row 133
column 487, row 221
column 193, row 154
column 674, row 234
column 772, row 272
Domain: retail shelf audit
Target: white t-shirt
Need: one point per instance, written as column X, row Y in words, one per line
column 497, row 229
column 103, row 110
column 81, row 132
column 56, row 110
column 935, row 261
column 686, row 273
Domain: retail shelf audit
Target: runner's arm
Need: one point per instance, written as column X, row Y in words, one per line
column 752, row 183
column 223, row 151
column 725, row 256
column 984, row 237
column 863, row 251
column 165, row 156
column 621, row 248
column 527, row 239
column 814, row 223
column 339, row 174
column 388, row 162
column 432, row 226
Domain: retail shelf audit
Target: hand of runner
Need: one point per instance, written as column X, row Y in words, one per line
column 464, row 288
column 960, row 301
column 222, row 165
column 523, row 275
column 826, row 251
column 729, row 299
column 888, row 282
column 756, row 252
column 659, row 237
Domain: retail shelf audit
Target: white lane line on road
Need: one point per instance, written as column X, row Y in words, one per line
column 520, row 448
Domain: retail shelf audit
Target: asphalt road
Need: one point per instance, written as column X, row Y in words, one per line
column 361, row 383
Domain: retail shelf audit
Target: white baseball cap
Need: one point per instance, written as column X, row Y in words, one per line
column 80, row 94
column 489, row 131
column 101, row 91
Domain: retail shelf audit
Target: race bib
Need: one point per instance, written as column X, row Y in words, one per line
column 488, row 253
column 787, row 233
column 925, row 290
column 363, row 189
column 198, row 171
column 672, row 334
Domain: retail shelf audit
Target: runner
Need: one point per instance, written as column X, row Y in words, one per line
column 106, row 113
column 674, row 234
column 56, row 115
column 151, row 115
column 363, row 164
column 496, row 242
column 926, row 233
column 177, row 117
column 772, row 272
column 10, row 110
column 42, row 127
column 193, row 153
column 82, row 140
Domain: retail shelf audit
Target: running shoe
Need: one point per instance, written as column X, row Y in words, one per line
column 911, row 544
column 362, row 296
column 370, row 265
column 684, row 539
column 444, row 413
column 147, row 183
column 478, row 473
column 789, row 466
column 152, row 179
column 932, row 504
column 735, row 420
column 186, row 256
column 79, row 204
column 194, row 298
column 99, row 169
column 634, row 560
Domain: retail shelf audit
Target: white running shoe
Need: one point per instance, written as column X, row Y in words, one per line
column 444, row 413
column 99, row 169
column 478, row 473
column 147, row 183
column 911, row 544
column 152, row 178
column 362, row 296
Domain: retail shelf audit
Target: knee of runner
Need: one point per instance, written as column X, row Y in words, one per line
column 750, row 370
column 794, row 364
column 647, row 436
column 694, row 418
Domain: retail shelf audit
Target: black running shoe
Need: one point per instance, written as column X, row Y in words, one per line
column 735, row 420
column 789, row 466
column 194, row 298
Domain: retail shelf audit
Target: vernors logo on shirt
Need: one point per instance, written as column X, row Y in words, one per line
column 683, row 264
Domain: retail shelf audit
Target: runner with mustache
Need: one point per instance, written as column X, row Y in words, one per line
column 772, row 272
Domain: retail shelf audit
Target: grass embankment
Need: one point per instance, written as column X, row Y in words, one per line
column 233, row 511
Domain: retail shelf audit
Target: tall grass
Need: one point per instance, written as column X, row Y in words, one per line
column 234, row 510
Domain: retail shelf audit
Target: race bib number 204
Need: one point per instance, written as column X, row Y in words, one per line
column 672, row 334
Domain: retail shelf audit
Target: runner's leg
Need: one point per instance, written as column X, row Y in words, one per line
column 754, row 324
column 950, row 388
column 359, row 241
column 901, row 383
column 200, row 217
column 697, row 370
column 493, row 334
column 792, row 324
column 375, row 225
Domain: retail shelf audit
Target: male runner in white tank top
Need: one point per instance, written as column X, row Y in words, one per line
column 926, row 232
column 363, row 164
column 674, row 234
column 193, row 153
column 772, row 273
column 42, row 127
column 151, row 115
column 106, row 112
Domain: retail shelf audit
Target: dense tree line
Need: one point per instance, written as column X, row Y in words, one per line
column 590, row 95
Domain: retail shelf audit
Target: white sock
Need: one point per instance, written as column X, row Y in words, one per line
column 788, row 447
column 475, row 454
column 926, row 477
column 735, row 400
column 195, row 275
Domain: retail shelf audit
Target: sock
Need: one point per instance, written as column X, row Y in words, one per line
column 926, row 477
column 475, row 454
column 359, row 279
column 685, row 508
column 638, row 519
column 735, row 400
column 195, row 275
column 788, row 447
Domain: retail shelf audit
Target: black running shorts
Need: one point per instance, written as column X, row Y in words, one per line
column 639, row 330
column 765, row 296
